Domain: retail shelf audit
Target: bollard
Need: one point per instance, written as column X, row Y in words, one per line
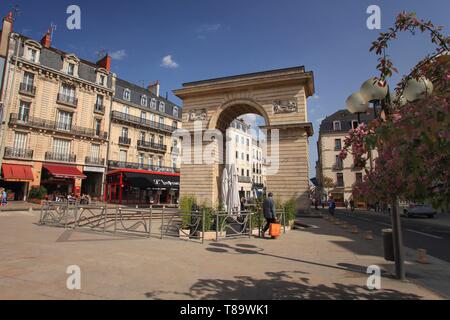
column 422, row 256
column 369, row 235
column 355, row 230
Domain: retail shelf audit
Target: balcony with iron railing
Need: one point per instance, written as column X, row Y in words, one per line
column 99, row 108
column 125, row 141
column 66, row 128
column 129, row 119
column 60, row 157
column 244, row 179
column 93, row 161
column 338, row 166
column 148, row 145
column 28, row 89
column 21, row 154
column 112, row 164
column 67, row 100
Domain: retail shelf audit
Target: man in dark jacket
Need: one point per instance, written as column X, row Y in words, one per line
column 269, row 212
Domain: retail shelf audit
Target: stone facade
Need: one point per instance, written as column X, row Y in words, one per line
column 223, row 100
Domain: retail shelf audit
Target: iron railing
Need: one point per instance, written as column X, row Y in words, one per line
column 124, row 140
column 123, row 117
column 244, row 179
column 39, row 123
column 140, row 166
column 63, row 157
column 151, row 145
column 68, row 100
column 338, row 167
column 15, row 153
column 27, row 89
column 95, row 161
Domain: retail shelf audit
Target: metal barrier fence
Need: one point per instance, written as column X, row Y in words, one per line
column 157, row 221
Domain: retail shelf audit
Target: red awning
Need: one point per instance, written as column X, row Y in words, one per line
column 16, row 172
column 64, row 172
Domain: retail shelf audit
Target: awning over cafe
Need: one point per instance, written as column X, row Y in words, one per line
column 64, row 172
column 17, row 173
column 152, row 181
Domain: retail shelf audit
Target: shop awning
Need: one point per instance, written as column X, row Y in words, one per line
column 16, row 172
column 64, row 172
column 152, row 181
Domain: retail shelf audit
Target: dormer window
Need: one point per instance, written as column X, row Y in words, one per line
column 127, row 94
column 102, row 79
column 337, row 126
column 153, row 104
column 32, row 55
column 162, row 107
column 175, row 112
column 71, row 69
column 144, row 101
column 70, row 65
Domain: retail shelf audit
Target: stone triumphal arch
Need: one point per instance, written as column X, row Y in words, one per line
column 280, row 97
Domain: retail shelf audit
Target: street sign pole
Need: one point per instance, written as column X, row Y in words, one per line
column 398, row 243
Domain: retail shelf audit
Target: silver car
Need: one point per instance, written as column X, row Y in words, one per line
column 419, row 210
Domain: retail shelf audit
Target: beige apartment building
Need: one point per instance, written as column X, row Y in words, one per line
column 246, row 153
column 55, row 108
column 144, row 155
column 333, row 131
column 72, row 126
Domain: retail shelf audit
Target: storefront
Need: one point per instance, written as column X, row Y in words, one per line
column 61, row 179
column 93, row 183
column 15, row 180
column 133, row 187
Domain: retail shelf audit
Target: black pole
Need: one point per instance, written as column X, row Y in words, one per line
column 398, row 242
column 359, row 118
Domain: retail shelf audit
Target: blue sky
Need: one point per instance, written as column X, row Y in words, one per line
column 204, row 39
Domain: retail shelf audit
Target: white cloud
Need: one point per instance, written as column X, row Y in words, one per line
column 316, row 97
column 168, row 62
column 209, row 28
column 118, row 55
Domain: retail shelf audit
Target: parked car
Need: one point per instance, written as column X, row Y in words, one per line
column 418, row 209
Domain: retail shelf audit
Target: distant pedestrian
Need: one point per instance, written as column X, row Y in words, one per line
column 352, row 205
column 4, row 197
column 316, row 203
column 269, row 213
column 331, row 206
column 346, row 204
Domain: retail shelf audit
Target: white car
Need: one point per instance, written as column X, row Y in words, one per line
column 419, row 209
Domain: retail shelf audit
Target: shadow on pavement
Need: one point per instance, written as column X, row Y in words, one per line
column 278, row 286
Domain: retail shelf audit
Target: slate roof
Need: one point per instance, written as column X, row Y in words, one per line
column 137, row 92
column 346, row 118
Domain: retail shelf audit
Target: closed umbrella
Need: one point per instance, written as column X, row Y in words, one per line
column 225, row 189
column 235, row 201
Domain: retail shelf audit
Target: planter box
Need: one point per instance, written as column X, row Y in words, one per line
column 184, row 234
column 36, row 201
column 211, row 235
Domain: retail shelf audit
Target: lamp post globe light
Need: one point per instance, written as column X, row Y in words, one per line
column 417, row 89
column 398, row 100
column 358, row 104
column 374, row 89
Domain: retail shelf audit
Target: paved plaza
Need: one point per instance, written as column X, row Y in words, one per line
column 316, row 263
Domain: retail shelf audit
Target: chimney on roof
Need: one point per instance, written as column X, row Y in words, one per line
column 46, row 41
column 7, row 28
column 154, row 88
column 105, row 62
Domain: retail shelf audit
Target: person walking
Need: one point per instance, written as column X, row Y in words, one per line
column 4, row 197
column 352, row 205
column 269, row 213
column 331, row 206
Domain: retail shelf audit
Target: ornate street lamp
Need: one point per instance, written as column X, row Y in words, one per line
column 374, row 91
column 418, row 89
column 358, row 104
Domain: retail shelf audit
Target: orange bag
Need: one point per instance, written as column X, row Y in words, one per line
column 275, row 230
